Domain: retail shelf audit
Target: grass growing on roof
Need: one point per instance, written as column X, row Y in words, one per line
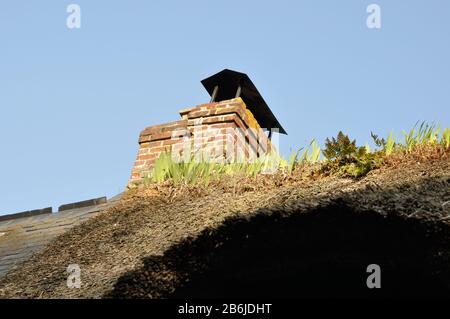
column 341, row 156
column 193, row 170
column 345, row 158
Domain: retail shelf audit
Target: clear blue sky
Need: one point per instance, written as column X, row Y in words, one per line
column 72, row 102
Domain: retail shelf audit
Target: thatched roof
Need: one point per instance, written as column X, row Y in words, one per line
column 274, row 236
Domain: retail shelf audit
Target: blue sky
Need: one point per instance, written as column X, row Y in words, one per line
column 73, row 101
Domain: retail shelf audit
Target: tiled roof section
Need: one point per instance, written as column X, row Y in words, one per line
column 24, row 235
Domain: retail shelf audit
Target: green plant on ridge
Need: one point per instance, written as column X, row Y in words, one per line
column 344, row 157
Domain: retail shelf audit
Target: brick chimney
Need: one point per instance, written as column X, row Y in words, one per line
column 229, row 128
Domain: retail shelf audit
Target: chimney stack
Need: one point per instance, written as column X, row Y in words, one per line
column 229, row 128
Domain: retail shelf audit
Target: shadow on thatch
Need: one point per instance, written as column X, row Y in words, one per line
column 322, row 252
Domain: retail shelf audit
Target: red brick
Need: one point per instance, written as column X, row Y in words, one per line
column 155, row 129
column 139, row 163
column 146, row 157
column 150, row 144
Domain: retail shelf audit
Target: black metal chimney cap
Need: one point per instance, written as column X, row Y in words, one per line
column 228, row 83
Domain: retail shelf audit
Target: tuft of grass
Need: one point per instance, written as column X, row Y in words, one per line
column 445, row 139
column 194, row 170
column 293, row 160
column 315, row 152
column 410, row 141
column 311, row 154
column 426, row 134
column 390, row 144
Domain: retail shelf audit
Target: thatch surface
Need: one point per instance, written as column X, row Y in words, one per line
column 156, row 240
